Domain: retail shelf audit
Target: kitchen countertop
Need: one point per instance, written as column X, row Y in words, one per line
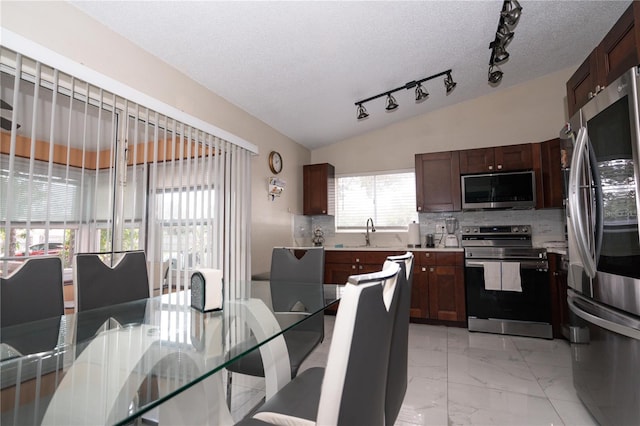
column 374, row 248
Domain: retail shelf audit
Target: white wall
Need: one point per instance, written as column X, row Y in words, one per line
column 534, row 111
column 69, row 32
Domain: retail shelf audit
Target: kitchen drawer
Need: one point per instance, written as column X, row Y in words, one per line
column 449, row 259
column 433, row 258
column 425, row 258
column 373, row 257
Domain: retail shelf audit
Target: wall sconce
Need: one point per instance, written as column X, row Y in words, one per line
column 509, row 17
column 420, row 92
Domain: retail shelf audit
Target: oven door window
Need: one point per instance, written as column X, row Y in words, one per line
column 532, row 304
column 611, row 143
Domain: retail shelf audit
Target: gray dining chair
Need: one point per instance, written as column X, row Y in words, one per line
column 98, row 284
column 296, row 285
column 32, row 292
column 397, row 374
column 352, row 388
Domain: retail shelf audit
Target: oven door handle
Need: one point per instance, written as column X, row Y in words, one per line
column 524, row 264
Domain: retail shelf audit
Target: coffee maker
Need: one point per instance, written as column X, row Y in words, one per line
column 451, row 240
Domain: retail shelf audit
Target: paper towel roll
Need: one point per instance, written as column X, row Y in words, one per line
column 414, row 235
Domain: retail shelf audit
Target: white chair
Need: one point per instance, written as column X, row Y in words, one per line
column 397, row 376
column 352, row 388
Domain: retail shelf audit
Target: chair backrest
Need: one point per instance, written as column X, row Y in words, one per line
column 33, row 291
column 398, row 357
column 354, row 384
column 297, row 283
column 98, row 284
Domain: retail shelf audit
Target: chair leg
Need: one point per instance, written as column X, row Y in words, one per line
column 229, row 389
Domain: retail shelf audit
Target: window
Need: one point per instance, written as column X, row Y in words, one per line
column 389, row 198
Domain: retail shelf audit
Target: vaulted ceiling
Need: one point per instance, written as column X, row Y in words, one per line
column 300, row 66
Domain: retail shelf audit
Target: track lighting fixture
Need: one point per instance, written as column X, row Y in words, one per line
column 500, row 55
column 511, row 12
column 509, row 17
column 362, row 112
column 420, row 93
column 449, row 84
column 391, row 103
column 495, row 75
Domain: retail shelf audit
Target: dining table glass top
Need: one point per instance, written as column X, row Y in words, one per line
column 113, row 364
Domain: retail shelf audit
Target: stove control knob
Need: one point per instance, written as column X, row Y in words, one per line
column 466, row 230
column 515, row 229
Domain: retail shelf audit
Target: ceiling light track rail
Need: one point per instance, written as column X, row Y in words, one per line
column 420, row 93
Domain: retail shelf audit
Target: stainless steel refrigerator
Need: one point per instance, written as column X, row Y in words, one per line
column 603, row 201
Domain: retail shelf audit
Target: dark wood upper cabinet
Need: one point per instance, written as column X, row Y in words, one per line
column 620, row 48
column 583, row 84
column 319, row 189
column 438, row 182
column 616, row 53
column 549, row 180
column 496, row 159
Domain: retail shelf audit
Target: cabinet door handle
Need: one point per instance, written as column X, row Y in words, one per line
column 490, row 167
column 499, row 166
column 419, row 208
column 357, row 260
column 590, row 95
column 424, row 269
column 360, row 266
column 353, row 266
column 427, row 255
column 431, row 269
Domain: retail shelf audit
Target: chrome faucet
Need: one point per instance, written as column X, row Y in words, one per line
column 367, row 241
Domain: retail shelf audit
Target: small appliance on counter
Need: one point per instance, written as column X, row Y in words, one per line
column 318, row 237
column 451, row 240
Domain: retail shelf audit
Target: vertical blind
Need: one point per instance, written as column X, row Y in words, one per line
column 98, row 172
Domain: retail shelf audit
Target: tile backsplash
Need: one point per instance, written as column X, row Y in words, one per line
column 547, row 225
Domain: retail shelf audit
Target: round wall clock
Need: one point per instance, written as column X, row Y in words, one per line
column 275, row 162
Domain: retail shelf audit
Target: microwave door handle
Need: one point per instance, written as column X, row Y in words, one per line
column 576, row 216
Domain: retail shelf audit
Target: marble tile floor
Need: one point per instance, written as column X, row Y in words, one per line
column 462, row 378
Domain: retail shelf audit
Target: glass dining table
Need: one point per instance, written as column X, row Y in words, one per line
column 157, row 356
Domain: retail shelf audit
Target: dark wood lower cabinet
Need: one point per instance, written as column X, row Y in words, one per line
column 420, row 293
column 437, row 294
column 438, row 288
column 446, row 294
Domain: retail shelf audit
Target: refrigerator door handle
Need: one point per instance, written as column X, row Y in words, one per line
column 576, row 216
column 599, row 321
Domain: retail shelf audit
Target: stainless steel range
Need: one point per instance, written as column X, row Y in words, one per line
column 507, row 281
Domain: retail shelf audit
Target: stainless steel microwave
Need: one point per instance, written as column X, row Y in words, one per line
column 507, row 190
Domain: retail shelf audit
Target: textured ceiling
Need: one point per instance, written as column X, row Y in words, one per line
column 300, row 66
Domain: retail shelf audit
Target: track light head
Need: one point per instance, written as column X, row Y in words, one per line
column 362, row 112
column 500, row 55
column 512, row 12
column 504, row 35
column 449, row 84
column 391, row 103
column 421, row 93
column 495, row 75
